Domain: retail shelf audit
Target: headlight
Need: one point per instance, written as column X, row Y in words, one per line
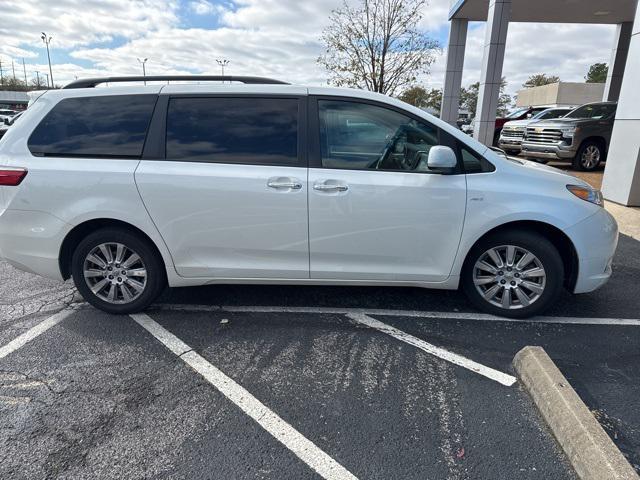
column 586, row 193
column 568, row 132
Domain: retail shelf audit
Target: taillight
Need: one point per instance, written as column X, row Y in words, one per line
column 11, row 177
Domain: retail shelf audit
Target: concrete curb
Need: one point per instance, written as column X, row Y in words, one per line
column 590, row 450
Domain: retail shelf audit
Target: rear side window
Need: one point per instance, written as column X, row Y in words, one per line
column 105, row 126
column 255, row 131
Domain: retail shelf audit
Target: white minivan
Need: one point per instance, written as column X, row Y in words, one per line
column 131, row 188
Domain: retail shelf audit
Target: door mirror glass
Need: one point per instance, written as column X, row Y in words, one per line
column 442, row 159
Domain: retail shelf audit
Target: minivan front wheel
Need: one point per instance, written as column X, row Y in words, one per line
column 117, row 271
column 513, row 274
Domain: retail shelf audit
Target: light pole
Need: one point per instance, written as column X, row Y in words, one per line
column 144, row 70
column 46, row 41
column 223, row 62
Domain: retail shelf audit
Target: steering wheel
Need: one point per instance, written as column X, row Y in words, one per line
column 375, row 164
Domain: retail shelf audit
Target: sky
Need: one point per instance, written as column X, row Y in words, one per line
column 273, row 38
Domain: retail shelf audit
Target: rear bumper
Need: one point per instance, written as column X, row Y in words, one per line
column 551, row 151
column 31, row 240
column 595, row 240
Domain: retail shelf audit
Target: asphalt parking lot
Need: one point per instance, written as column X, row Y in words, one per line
column 304, row 382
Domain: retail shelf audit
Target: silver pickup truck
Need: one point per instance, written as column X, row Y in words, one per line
column 511, row 134
column 581, row 137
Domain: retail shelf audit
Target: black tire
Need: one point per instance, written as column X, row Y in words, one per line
column 537, row 244
column 583, row 162
column 496, row 137
column 151, row 261
column 513, row 153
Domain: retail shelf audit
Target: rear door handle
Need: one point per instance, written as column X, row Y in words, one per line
column 328, row 187
column 281, row 183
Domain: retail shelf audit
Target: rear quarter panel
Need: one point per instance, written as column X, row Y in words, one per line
column 73, row 190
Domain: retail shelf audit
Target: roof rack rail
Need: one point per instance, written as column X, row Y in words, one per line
column 92, row 82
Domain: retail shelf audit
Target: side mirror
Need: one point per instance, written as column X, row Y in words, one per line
column 442, row 159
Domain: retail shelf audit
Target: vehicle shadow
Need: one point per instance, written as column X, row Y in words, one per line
column 620, row 297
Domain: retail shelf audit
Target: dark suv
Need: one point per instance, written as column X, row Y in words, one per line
column 582, row 136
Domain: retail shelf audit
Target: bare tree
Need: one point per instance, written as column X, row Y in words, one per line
column 377, row 45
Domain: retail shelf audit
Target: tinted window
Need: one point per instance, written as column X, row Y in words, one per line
column 362, row 136
column 259, row 131
column 517, row 113
column 105, row 126
column 594, row 110
column 551, row 113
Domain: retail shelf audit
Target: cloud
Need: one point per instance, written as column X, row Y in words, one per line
column 202, row 7
column 275, row 38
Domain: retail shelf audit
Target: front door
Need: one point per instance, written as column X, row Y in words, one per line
column 376, row 211
column 230, row 199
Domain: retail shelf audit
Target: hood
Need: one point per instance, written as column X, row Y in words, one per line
column 563, row 122
column 539, row 170
column 519, row 123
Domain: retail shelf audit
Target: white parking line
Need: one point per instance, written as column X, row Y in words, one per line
column 34, row 332
column 454, row 358
column 301, row 446
column 400, row 313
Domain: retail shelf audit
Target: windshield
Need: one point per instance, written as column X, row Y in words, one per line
column 517, row 113
column 552, row 113
column 593, row 110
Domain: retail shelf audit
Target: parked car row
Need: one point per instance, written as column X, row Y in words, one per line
column 8, row 122
column 580, row 135
column 510, row 139
column 7, row 114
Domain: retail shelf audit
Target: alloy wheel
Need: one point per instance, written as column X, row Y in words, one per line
column 115, row 273
column 590, row 157
column 509, row 277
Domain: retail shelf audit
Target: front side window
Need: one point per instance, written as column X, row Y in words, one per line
column 361, row 136
column 104, row 126
column 256, row 131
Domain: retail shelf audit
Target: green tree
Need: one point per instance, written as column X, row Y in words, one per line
column 469, row 98
column 377, row 45
column 597, row 73
column 540, row 79
column 420, row 97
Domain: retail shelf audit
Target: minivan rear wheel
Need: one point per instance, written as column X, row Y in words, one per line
column 513, row 274
column 117, row 271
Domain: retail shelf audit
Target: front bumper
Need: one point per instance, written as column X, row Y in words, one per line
column 507, row 143
column 548, row 151
column 595, row 239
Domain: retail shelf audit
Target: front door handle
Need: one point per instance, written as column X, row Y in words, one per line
column 327, row 187
column 281, row 183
